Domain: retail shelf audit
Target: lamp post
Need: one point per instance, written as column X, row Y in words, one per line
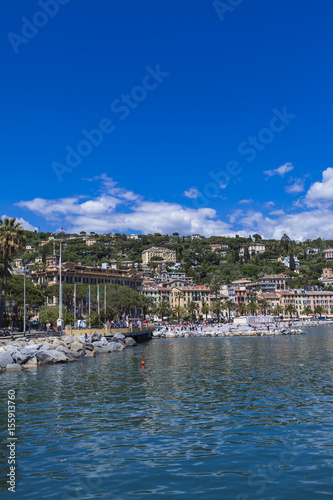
column 24, row 304
column 11, row 319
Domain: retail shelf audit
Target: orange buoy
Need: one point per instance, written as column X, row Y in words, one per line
column 169, row 344
column 153, row 343
column 142, row 362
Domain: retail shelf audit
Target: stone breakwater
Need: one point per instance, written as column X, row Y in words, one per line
column 24, row 353
column 224, row 331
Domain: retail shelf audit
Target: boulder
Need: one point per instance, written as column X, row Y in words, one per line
column 5, row 359
column 51, row 356
column 88, row 347
column 30, row 364
column 20, row 358
column 129, row 342
column 77, row 350
column 102, row 348
column 90, row 354
column 11, row 349
column 118, row 336
column 70, row 355
column 116, row 346
column 95, row 337
column 13, row 367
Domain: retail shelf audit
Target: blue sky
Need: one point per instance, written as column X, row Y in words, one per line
column 207, row 117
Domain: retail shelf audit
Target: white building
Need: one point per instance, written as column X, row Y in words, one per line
column 254, row 249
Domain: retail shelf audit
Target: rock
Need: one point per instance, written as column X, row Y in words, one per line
column 2, row 349
column 77, row 350
column 88, row 347
column 90, row 354
column 30, row 364
column 20, row 358
column 101, row 343
column 95, row 337
column 11, row 349
column 13, row 367
column 116, row 346
column 129, row 342
column 70, row 355
column 51, row 356
column 118, row 336
column 102, row 348
column 5, row 359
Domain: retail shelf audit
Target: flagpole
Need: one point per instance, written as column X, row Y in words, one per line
column 74, row 302
column 105, row 304
column 98, row 311
column 89, row 306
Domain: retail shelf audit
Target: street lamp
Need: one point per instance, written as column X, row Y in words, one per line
column 12, row 322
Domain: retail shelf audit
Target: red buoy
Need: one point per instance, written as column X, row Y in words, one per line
column 142, row 362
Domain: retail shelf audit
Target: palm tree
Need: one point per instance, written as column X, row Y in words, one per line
column 241, row 309
column 178, row 310
column 290, row 308
column 11, row 240
column 277, row 310
column 320, row 310
column 205, row 309
column 264, row 305
column 252, row 307
column 307, row 311
column 179, row 295
column 147, row 304
column 163, row 309
column 229, row 304
column 192, row 307
column 217, row 308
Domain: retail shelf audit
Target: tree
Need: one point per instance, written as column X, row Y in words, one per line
column 246, row 254
column 146, row 304
column 11, row 241
column 290, row 309
column 285, row 242
column 292, row 264
column 217, row 308
column 241, row 309
column 307, row 311
column 178, row 310
column 205, row 309
column 229, row 305
column 320, row 310
column 277, row 310
column 192, row 307
column 257, row 237
column 163, row 309
column 264, row 305
column 252, row 307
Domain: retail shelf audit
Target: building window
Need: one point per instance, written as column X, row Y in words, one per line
column 85, row 280
column 93, row 281
column 100, row 280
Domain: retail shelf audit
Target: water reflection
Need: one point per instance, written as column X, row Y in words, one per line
column 213, row 418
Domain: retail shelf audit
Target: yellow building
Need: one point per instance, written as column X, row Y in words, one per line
column 166, row 254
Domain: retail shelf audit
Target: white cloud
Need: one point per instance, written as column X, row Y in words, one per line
column 25, row 224
column 118, row 209
column 245, row 202
column 321, row 193
column 296, row 187
column 269, row 204
column 192, row 193
column 282, row 170
column 277, row 212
